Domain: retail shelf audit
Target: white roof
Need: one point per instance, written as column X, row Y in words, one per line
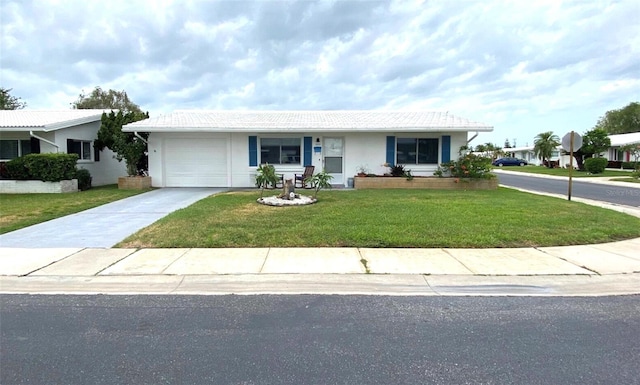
column 518, row 149
column 624, row 139
column 45, row 120
column 271, row 121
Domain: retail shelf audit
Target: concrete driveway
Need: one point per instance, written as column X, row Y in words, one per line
column 106, row 225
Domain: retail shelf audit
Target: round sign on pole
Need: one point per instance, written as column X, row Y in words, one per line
column 566, row 142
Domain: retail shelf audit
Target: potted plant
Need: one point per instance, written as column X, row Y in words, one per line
column 362, row 170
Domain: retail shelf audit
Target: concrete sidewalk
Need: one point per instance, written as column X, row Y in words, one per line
column 611, row 268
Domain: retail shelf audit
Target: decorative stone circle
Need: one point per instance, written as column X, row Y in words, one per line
column 301, row 200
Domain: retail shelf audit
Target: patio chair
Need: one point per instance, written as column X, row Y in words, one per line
column 301, row 179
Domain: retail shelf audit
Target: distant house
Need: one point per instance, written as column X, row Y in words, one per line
column 24, row 132
column 615, row 154
column 224, row 148
column 529, row 155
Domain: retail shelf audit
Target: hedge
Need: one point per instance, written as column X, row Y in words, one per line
column 44, row 167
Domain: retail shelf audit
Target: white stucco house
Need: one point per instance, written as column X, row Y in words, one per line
column 224, row 148
column 65, row 131
column 527, row 153
column 614, row 153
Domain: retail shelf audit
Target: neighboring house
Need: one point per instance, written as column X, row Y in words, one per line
column 614, row 153
column 24, row 132
column 529, row 155
column 525, row 153
column 224, row 148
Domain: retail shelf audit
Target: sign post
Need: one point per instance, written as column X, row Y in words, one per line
column 571, row 142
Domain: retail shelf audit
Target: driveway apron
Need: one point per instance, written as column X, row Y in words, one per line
column 106, row 225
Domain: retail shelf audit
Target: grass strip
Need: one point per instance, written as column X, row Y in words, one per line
column 565, row 172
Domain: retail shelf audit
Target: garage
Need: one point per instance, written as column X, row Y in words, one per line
column 195, row 162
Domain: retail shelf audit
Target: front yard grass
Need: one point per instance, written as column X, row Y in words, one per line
column 630, row 180
column 22, row 210
column 565, row 172
column 389, row 218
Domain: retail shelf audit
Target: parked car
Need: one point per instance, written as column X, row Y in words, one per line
column 509, row 162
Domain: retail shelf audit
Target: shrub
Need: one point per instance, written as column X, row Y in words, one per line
column 84, row 179
column 595, row 165
column 629, row 165
column 17, row 169
column 51, row 167
column 266, row 175
column 319, row 181
column 467, row 166
column 397, row 170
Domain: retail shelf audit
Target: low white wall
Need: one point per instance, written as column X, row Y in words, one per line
column 37, row 187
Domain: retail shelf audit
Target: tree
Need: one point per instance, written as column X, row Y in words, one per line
column 492, row 150
column 506, row 143
column 622, row 121
column 266, row 175
column 126, row 145
column 544, row 144
column 100, row 99
column 319, row 181
column 8, row 102
column 594, row 142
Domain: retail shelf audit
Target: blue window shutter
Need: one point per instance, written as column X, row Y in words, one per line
column 307, row 150
column 446, row 148
column 253, row 151
column 391, row 150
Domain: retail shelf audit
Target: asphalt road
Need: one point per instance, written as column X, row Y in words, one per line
column 621, row 195
column 310, row 339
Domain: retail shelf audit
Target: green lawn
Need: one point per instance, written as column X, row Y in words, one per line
column 631, row 180
column 22, row 210
column 389, row 218
column 564, row 172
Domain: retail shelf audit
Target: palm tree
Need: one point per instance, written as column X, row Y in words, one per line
column 544, row 144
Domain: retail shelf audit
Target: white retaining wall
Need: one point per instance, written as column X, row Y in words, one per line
column 36, row 186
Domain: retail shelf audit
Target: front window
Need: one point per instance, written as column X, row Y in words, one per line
column 13, row 148
column 280, row 150
column 80, row 147
column 417, row 151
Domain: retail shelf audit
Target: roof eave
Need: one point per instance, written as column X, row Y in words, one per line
column 135, row 128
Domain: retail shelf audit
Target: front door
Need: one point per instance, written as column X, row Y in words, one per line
column 333, row 155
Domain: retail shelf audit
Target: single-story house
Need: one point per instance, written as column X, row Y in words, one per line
column 24, row 132
column 224, row 148
column 614, row 153
column 529, row 155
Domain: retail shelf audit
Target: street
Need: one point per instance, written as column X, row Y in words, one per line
column 617, row 194
column 311, row 339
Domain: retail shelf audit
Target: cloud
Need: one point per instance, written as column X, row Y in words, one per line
column 521, row 66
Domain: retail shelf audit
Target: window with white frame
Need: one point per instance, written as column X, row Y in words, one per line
column 280, row 150
column 416, row 151
column 14, row 148
column 80, row 147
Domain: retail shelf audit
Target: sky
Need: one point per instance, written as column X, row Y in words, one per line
column 524, row 67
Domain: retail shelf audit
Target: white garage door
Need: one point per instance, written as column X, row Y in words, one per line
column 195, row 163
